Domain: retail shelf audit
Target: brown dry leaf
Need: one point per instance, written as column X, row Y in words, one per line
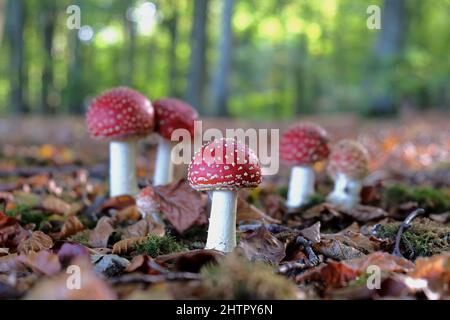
column 4, row 251
column 336, row 250
column 436, row 270
column 323, row 208
column 146, row 264
column 385, row 261
column 190, row 261
column 6, row 220
column 100, row 235
column 56, row 205
column 143, row 228
column 246, row 212
column 130, row 213
column 181, row 205
column 9, row 263
column 36, row 242
column 70, row 227
column 312, row 233
column 365, row 213
column 118, row 203
column 355, row 240
column 56, row 288
column 127, row 245
column 331, row 275
column 261, row 245
column 43, row 262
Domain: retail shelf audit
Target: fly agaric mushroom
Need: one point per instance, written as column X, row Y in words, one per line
column 171, row 114
column 224, row 166
column 121, row 116
column 301, row 146
column 348, row 165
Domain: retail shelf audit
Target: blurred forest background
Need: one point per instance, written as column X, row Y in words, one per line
column 254, row 59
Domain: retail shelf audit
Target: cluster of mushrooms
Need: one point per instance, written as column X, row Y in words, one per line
column 122, row 116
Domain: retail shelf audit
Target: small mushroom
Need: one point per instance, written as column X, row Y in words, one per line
column 301, row 146
column 348, row 165
column 121, row 116
column 224, row 166
column 171, row 114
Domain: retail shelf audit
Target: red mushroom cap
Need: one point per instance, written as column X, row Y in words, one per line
column 224, row 164
column 120, row 113
column 172, row 114
column 350, row 158
column 304, row 144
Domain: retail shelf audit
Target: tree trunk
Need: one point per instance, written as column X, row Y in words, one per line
column 197, row 68
column 388, row 48
column 16, row 19
column 130, row 32
column 299, row 67
column 2, row 19
column 172, row 25
column 220, row 83
column 75, row 87
column 48, row 19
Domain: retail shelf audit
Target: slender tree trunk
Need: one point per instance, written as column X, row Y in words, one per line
column 299, row 69
column 220, row 83
column 16, row 20
column 388, row 48
column 2, row 20
column 197, row 68
column 130, row 31
column 48, row 18
column 75, row 85
column 172, row 25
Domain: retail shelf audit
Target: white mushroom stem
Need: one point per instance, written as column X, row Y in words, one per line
column 301, row 186
column 164, row 167
column 346, row 192
column 222, row 221
column 122, row 170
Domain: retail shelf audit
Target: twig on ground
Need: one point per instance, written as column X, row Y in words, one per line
column 403, row 227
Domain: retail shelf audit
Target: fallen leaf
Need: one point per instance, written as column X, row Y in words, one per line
column 100, row 235
column 336, row 250
column 43, row 262
column 312, row 233
column 142, row 228
column 385, row 261
column 56, row 288
column 130, row 213
column 127, row 245
column 70, row 227
column 10, row 264
column 69, row 251
column 246, row 212
column 145, row 264
column 190, row 261
column 118, row 203
column 56, row 205
column 331, row 275
column 365, row 213
column 181, row 205
column 261, row 245
column 36, row 242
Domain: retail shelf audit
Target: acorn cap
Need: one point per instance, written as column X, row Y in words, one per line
column 304, row 144
column 224, row 164
column 172, row 114
column 350, row 158
column 120, row 113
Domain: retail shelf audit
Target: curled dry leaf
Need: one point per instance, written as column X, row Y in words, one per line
column 336, row 250
column 261, row 245
column 127, row 245
column 130, row 213
column 181, row 205
column 146, row 264
column 100, row 235
column 118, row 203
column 436, row 271
column 10, row 263
column 36, row 242
column 70, row 227
column 365, row 213
column 143, row 228
column 331, row 275
column 312, row 233
column 56, row 205
column 43, row 262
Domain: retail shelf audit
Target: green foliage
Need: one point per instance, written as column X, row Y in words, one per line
column 81, row 237
column 155, row 246
column 237, row 278
column 424, row 238
column 432, row 200
column 28, row 214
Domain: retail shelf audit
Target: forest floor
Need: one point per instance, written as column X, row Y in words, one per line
column 56, row 219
